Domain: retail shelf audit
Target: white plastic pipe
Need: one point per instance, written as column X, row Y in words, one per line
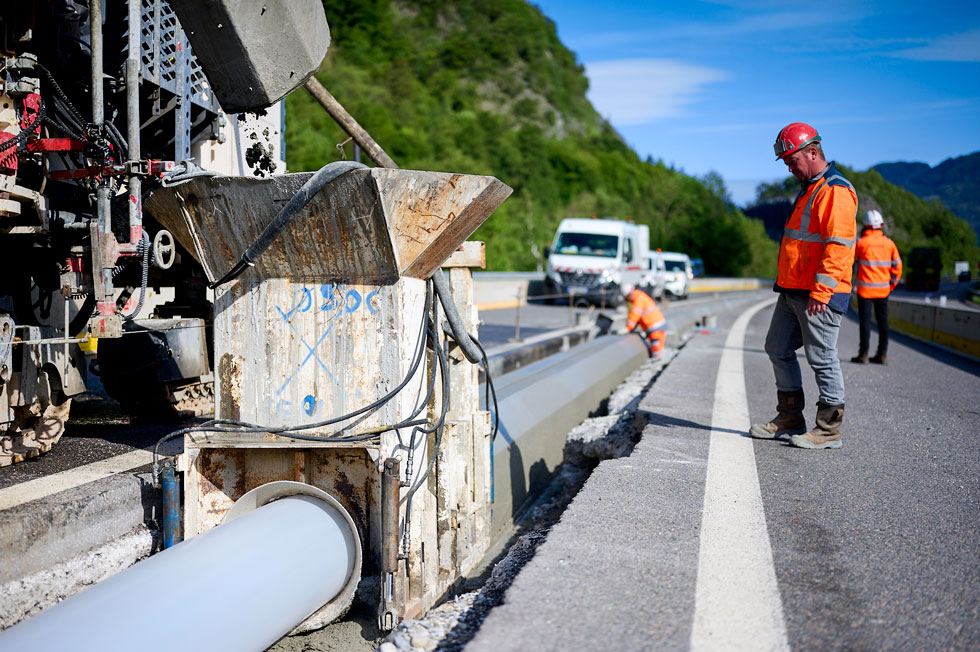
column 240, row 586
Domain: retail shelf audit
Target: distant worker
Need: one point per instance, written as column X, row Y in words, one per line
column 645, row 314
column 814, row 285
column 879, row 267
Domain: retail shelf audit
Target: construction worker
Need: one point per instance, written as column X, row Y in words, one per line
column 643, row 312
column 814, row 285
column 646, row 315
column 879, row 267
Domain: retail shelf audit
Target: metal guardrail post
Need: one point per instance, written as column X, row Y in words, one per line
column 517, row 316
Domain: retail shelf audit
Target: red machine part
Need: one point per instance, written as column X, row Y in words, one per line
column 8, row 156
column 31, row 107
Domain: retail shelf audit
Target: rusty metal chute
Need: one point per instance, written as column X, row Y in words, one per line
column 367, row 226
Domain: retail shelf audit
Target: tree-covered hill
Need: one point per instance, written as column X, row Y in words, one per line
column 909, row 220
column 955, row 182
column 486, row 87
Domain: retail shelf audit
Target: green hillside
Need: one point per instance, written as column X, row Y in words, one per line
column 486, row 87
column 909, row 220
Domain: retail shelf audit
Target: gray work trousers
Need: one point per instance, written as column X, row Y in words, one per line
column 792, row 328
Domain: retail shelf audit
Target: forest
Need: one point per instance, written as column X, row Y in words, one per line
column 486, row 87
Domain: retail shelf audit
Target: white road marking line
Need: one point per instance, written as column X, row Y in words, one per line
column 737, row 604
column 38, row 488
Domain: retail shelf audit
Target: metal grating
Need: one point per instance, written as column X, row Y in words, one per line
column 164, row 51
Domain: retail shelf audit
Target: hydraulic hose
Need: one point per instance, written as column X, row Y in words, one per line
column 303, row 196
column 470, row 350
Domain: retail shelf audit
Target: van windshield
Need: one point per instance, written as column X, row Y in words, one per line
column 674, row 265
column 587, row 244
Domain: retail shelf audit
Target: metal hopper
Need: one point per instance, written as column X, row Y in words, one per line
column 367, row 226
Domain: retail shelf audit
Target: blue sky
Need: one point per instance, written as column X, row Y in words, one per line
column 707, row 85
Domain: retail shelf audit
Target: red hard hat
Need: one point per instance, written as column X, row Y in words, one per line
column 794, row 137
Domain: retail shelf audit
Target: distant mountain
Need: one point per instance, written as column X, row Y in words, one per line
column 955, row 182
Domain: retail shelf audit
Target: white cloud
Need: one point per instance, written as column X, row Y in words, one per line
column 638, row 91
column 954, row 47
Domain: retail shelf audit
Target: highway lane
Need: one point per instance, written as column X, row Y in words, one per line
column 503, row 325
column 871, row 547
column 876, row 546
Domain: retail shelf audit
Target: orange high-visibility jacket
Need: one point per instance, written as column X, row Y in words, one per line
column 879, row 265
column 644, row 311
column 817, row 250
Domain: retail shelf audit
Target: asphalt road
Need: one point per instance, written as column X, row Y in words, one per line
column 871, row 547
column 505, row 325
column 955, row 293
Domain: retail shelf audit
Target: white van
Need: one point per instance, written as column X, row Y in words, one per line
column 653, row 279
column 677, row 274
column 591, row 259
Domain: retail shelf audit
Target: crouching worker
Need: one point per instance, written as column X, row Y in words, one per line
column 645, row 314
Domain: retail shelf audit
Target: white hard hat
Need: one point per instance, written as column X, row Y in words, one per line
column 627, row 289
column 873, row 219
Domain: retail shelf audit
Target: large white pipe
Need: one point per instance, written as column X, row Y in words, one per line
column 240, row 586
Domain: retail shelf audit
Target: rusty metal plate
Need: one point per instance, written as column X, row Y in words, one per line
column 367, row 226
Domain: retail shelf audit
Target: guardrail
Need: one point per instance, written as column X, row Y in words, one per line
column 495, row 290
column 954, row 329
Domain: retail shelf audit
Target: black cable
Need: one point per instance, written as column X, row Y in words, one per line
column 432, row 312
column 438, row 429
column 79, row 321
column 297, row 202
column 26, row 132
column 142, row 248
column 452, row 316
column 118, row 140
column 245, row 427
column 61, row 94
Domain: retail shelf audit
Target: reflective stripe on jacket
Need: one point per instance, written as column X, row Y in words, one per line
column 817, row 250
column 879, row 265
column 644, row 311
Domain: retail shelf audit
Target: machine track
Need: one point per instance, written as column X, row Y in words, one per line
column 35, row 428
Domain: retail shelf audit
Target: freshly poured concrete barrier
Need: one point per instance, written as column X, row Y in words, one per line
column 539, row 404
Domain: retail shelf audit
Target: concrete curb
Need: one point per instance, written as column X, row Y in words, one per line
column 42, row 533
column 952, row 329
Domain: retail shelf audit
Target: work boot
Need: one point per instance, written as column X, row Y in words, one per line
column 788, row 421
column 880, row 358
column 826, row 434
column 860, row 358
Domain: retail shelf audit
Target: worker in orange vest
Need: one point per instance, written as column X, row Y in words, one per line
column 643, row 312
column 879, row 267
column 816, row 255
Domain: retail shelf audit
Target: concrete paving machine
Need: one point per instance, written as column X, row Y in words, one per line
column 346, row 395
column 100, row 105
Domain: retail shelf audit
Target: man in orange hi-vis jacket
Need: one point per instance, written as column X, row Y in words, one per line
column 645, row 314
column 879, row 267
column 814, row 285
